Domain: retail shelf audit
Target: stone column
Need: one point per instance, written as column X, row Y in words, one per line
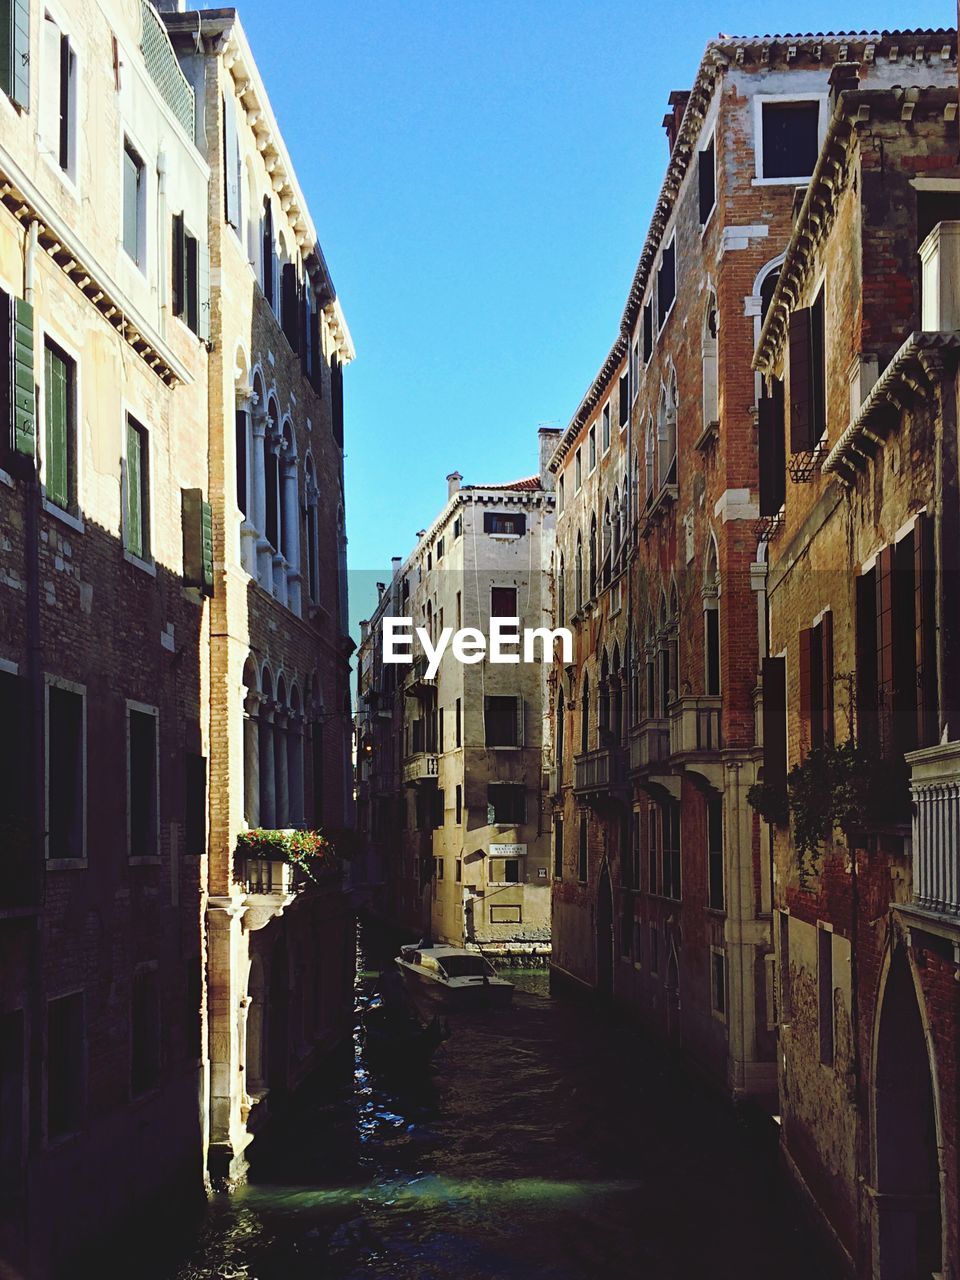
column 295, row 769
column 282, row 817
column 259, row 474
column 246, row 406
column 291, row 532
column 268, row 792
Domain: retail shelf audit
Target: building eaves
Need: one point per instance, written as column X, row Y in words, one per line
column 815, row 217
column 718, row 55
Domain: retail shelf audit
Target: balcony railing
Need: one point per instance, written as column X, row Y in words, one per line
column 598, row 770
column 422, row 767
column 417, row 684
column 649, row 744
column 268, row 875
column 935, row 786
column 695, row 725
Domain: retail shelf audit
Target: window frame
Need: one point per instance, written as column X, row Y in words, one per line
column 146, row 709
column 143, row 559
column 80, row 1071
column 72, row 514
column 68, row 686
column 783, row 99
column 718, row 1007
column 67, row 173
column 128, row 143
column 669, row 243
column 709, row 144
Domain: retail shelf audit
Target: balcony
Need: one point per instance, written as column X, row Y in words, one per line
column 269, row 886
column 598, row 772
column 420, row 768
column 695, row 725
column 935, row 787
column 417, row 683
column 649, row 744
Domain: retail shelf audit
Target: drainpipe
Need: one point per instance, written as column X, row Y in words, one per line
column 29, row 262
column 162, row 240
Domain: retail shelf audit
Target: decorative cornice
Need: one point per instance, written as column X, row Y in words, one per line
column 909, row 373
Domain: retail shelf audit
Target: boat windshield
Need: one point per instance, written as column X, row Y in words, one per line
column 465, row 967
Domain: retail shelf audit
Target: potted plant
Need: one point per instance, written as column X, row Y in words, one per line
column 310, row 851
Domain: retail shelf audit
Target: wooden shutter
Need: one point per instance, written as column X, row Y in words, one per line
column 624, row 399
column 134, row 469
column 806, row 691
column 48, row 107
column 706, row 176
column 767, row 457
column 179, row 265
column 775, row 723
column 884, row 643
column 336, row 381
column 288, row 303
column 20, row 78
column 866, row 645
column 801, row 426
column 306, row 354
column 924, row 577
column 317, row 363
column 519, row 742
column 24, row 387
column 197, row 541
column 826, row 678
column 6, row 372
column 203, row 292
column 56, row 479
column 231, row 166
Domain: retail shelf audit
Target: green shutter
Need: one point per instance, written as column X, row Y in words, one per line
column 24, row 391
column 56, row 456
column 179, row 265
column 203, row 292
column 134, row 495
column 206, row 543
column 21, row 54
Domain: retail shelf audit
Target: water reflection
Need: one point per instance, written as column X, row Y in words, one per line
column 544, row 1141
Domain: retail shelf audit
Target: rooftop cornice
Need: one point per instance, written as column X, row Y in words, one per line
column 914, row 46
column 855, row 107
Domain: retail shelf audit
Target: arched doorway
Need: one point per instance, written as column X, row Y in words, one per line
column 909, row 1212
column 604, row 933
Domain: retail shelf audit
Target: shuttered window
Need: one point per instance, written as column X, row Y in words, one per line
column 772, row 451
column 136, row 528
column 647, row 331
column 503, row 721
column 191, row 279
column 807, row 377
column 624, row 401
column 558, row 848
column 195, row 805
column 133, row 191
column 816, row 685
column 336, row 385
column 59, row 426
column 715, row 887
column 15, row 51
column 24, row 390
column 66, row 799
column 775, row 724
column 197, row 541
column 706, row 175
column 231, row 163
column 57, row 107
column 928, row 720
column 290, row 305
column 142, row 802
column 6, row 374
column 868, row 691
column 267, row 252
column 884, row 643
column 667, row 281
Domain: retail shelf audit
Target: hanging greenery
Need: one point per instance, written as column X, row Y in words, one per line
column 311, row 851
column 770, row 802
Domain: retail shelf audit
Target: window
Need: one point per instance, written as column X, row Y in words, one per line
column 626, row 926
column 577, row 470
column 508, row 523
column 667, row 435
column 786, row 995
column 605, row 424
column 191, row 279
column 808, row 410
column 582, row 849
column 439, row 868
column 13, row 1117
column 591, row 449
column 558, row 848
column 708, row 350
column 457, row 527
column 313, row 532
column 670, row 827
column 267, row 253
column 232, row 173
column 816, row 685
column 458, row 723
column 623, row 401
column 66, row 773
column 439, row 550
column 65, row 1065
column 503, row 602
column 459, row 870
column 144, row 1033
column 560, row 499
column 136, row 491
column 503, row 721
column 718, row 981
column 825, row 994
column 458, row 799
column 789, row 139
column 508, row 801
column 505, row 915
column 707, row 178
column 635, row 850
column 290, row 305
column 508, row 871
column 667, row 280
column 15, row 51
column 715, row 888
column 60, row 424
column 775, row 726
column 653, row 849
column 635, row 368
column 772, row 450
column 647, row 330
column 58, row 98
column 654, row 949
column 134, row 192
column 142, row 782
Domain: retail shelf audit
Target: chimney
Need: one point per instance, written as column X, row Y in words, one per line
column 843, row 76
column 364, row 631
column 381, row 588
column 549, row 438
column 453, row 483
column 395, row 564
column 671, row 121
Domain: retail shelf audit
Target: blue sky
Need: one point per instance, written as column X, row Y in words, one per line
column 481, row 177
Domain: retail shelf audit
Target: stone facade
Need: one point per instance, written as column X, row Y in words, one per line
column 664, row 893
column 450, row 769
column 864, row 633
column 133, row 642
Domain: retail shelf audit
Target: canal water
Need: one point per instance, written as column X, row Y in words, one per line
column 545, row 1142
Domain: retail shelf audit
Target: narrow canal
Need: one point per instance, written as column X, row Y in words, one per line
column 545, row 1142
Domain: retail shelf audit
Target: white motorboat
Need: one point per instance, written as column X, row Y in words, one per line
column 452, row 979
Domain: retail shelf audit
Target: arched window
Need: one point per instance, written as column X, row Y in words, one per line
column 251, row 745
column 578, row 573
column 767, row 288
column 592, row 556
column 667, row 434
column 585, row 716
column 617, row 531
column 268, row 794
column 280, row 758
column 290, row 516
column 663, row 659
column 313, row 532
column 603, row 702
column 271, row 446
column 268, row 265
column 297, row 813
column 607, row 533
column 616, row 697
column 711, row 620
column 711, row 406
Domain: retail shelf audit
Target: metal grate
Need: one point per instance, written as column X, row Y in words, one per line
column 164, row 69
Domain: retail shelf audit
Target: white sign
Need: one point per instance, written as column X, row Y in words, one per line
column 508, row 850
